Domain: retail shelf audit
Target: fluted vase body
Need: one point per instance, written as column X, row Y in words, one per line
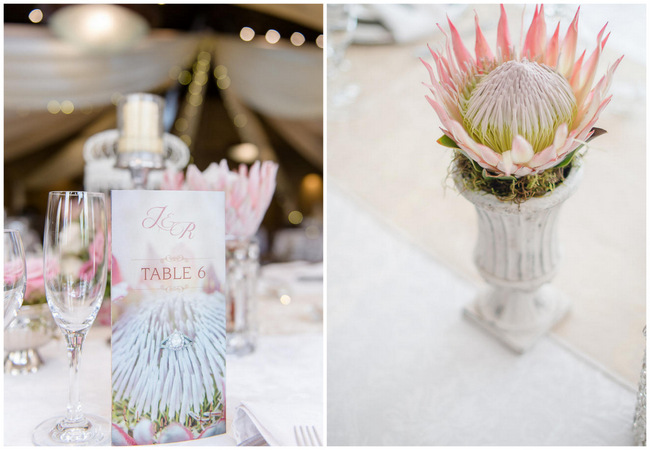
column 518, row 253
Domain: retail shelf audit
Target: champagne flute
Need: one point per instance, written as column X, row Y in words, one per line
column 75, row 253
column 15, row 274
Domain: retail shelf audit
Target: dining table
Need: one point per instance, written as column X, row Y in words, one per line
column 284, row 373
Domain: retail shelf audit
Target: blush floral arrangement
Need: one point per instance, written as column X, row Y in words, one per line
column 248, row 191
column 517, row 119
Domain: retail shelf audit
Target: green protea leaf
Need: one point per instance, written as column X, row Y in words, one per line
column 447, row 141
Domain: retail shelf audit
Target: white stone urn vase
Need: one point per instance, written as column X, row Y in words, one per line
column 518, row 254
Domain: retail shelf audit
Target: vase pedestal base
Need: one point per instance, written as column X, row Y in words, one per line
column 518, row 319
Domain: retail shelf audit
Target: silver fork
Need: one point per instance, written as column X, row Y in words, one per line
column 307, row 436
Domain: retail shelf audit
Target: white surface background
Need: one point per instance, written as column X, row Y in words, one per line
column 405, row 368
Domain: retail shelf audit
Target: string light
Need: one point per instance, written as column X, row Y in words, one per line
column 181, row 124
column 184, row 77
column 245, row 152
column 247, row 34
column 240, row 120
column 195, row 88
column 53, row 107
column 67, row 107
column 220, row 72
column 36, row 15
column 223, row 83
column 272, row 36
column 319, row 41
column 195, row 82
column 295, row 217
column 297, row 39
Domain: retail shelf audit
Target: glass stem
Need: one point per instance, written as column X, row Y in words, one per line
column 75, row 340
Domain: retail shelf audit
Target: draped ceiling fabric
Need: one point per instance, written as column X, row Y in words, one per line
column 283, row 83
column 39, row 68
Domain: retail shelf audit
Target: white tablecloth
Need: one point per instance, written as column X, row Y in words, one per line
column 286, row 364
column 405, row 368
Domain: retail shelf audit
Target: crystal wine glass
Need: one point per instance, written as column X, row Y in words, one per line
column 15, row 274
column 75, row 253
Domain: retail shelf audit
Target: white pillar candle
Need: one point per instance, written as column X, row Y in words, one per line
column 140, row 123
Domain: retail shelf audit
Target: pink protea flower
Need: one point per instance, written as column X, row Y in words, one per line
column 518, row 113
column 248, row 191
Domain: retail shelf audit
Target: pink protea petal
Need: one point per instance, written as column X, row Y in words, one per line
column 442, row 68
column 483, row 155
column 568, row 49
column 505, row 165
column 172, row 180
column 143, row 432
column 610, row 74
column 440, row 111
column 561, row 135
column 430, row 70
column 214, row 430
column 522, row 151
column 544, row 157
column 523, row 171
column 194, row 177
column 552, row 152
column 119, row 436
column 453, row 67
column 174, row 432
column 553, row 48
column 481, row 48
column 463, row 56
column 535, row 42
column 472, row 148
column 488, row 155
column 589, row 72
column 587, row 128
column 504, row 44
column 574, row 80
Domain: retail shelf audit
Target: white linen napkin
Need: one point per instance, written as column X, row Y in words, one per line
column 274, row 422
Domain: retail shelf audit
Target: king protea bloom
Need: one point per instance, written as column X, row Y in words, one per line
column 518, row 113
column 180, row 389
column 248, row 191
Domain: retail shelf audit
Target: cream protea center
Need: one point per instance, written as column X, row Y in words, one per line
column 518, row 97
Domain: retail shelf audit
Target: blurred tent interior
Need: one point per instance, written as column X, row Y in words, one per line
column 240, row 82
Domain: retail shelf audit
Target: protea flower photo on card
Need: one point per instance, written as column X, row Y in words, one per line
column 167, row 396
column 517, row 112
column 168, row 313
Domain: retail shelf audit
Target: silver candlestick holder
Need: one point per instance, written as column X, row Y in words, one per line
column 140, row 164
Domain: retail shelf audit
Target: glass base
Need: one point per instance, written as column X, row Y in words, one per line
column 90, row 430
column 240, row 344
column 23, row 361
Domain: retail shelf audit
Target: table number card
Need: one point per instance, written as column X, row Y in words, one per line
column 168, row 312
